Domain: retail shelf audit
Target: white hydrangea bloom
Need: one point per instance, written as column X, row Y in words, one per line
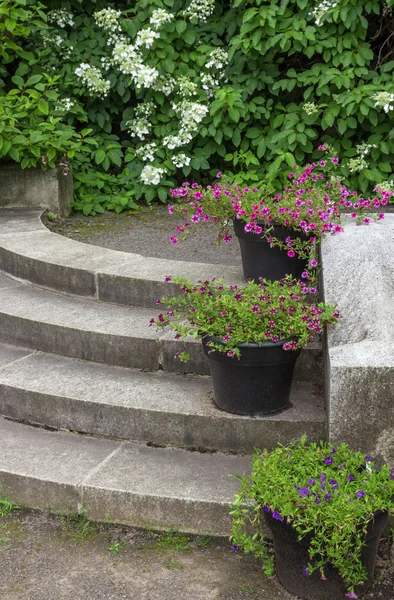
column 146, row 37
column 145, row 76
column 218, row 59
column 165, row 85
column 147, row 152
column 310, row 108
column 384, row 100
column 321, row 9
column 93, row 79
column 191, row 113
column 152, row 175
column 175, row 141
column 209, row 84
column 186, row 86
column 364, row 149
column 200, row 9
column 181, row 160
column 65, row 104
column 61, row 17
column 159, row 17
column 140, row 126
column 357, row 164
column 108, row 19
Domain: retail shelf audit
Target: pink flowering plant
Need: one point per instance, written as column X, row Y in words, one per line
column 327, row 494
column 269, row 311
column 310, row 207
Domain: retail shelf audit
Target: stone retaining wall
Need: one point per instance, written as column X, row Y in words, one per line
column 35, row 188
column 358, row 276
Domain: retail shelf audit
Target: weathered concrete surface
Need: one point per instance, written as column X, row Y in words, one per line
column 123, row 483
column 188, row 490
column 160, row 408
column 28, row 250
column 36, row 318
column 358, row 276
column 35, row 188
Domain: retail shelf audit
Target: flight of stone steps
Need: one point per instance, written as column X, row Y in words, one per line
column 96, row 412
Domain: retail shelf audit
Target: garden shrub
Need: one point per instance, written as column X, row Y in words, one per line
column 173, row 89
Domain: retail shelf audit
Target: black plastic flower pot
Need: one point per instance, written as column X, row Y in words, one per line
column 259, row 259
column 291, row 556
column 258, row 383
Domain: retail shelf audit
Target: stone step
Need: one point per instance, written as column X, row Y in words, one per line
column 29, row 251
column 101, row 332
column 120, row 482
column 160, row 408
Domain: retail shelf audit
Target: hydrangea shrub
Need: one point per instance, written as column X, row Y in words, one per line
column 176, row 89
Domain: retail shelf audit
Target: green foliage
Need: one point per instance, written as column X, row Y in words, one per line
column 173, row 540
column 6, row 506
column 30, row 131
column 329, row 494
column 294, row 79
column 270, row 311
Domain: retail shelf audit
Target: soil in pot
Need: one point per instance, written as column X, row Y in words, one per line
column 291, row 556
column 256, row 384
column 259, row 259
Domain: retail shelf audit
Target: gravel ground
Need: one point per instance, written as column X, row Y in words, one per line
column 147, row 233
column 47, row 557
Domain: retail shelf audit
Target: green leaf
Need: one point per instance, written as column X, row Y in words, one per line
column 99, row 156
column 43, row 107
column 87, row 209
column 33, row 80
column 180, row 26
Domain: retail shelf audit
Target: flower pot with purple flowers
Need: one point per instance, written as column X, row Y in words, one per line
column 262, row 258
column 278, row 233
column 325, row 507
column 257, row 383
column 252, row 336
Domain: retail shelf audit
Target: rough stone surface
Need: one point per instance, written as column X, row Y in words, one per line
column 35, row 188
column 188, row 490
column 160, row 408
column 39, row 256
column 10, row 354
column 41, row 469
column 123, row 483
column 97, row 331
column 358, row 276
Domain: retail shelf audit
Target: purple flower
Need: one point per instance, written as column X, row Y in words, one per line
column 312, row 481
column 334, row 484
column 360, row 494
column 235, row 547
column 266, row 508
column 305, row 571
column 219, row 175
column 329, row 460
column 276, row 515
column 328, row 497
column 392, row 473
column 335, row 161
column 303, row 492
column 341, row 466
column 350, row 477
column 334, row 451
column 351, row 595
column 367, row 459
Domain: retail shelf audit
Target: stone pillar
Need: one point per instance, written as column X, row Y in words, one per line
column 358, row 276
column 35, row 188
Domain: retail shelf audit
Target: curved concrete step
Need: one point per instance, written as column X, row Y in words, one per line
column 121, row 482
column 160, row 408
column 29, row 251
column 36, row 318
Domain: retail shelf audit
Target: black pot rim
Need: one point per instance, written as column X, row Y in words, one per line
column 251, row 344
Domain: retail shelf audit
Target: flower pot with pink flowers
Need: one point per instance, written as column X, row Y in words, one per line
column 278, row 233
column 252, row 336
column 325, row 507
